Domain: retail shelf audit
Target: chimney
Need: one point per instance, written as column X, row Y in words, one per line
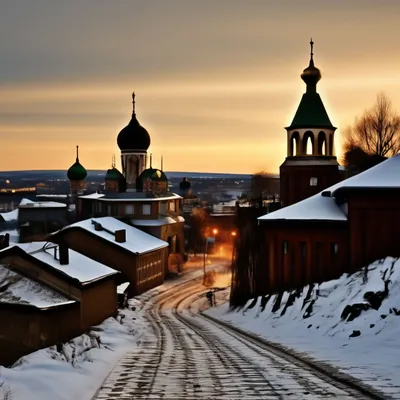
column 98, row 227
column 64, row 254
column 120, row 236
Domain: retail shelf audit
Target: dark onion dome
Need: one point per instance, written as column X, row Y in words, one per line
column 311, row 75
column 133, row 137
column 153, row 174
column 77, row 172
column 113, row 174
column 185, row 184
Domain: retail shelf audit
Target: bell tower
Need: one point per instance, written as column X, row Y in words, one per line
column 310, row 165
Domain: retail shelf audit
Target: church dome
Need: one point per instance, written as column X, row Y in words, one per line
column 133, row 137
column 153, row 174
column 77, row 172
column 311, row 75
column 114, row 175
column 185, row 184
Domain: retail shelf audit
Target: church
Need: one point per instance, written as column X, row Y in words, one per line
column 138, row 196
column 326, row 226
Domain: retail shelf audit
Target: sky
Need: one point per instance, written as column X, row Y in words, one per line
column 216, row 82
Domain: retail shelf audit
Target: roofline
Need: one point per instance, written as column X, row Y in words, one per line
column 141, row 151
column 282, row 221
column 66, row 228
column 361, row 189
column 16, row 250
column 33, row 308
column 291, row 127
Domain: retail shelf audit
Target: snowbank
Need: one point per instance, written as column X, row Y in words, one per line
column 313, row 321
column 77, row 369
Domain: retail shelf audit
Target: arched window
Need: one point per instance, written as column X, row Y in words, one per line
column 322, row 144
column 308, row 143
column 294, row 144
column 331, row 145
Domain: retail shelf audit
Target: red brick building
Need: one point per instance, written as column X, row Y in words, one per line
column 340, row 229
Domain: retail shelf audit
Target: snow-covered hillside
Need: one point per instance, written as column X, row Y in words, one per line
column 352, row 322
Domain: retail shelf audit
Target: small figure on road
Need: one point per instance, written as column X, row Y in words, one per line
column 210, row 296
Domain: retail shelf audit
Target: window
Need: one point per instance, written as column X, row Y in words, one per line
column 303, row 248
column 313, row 181
column 129, row 209
column 146, row 210
column 334, row 250
column 163, row 208
column 109, row 209
column 172, row 206
column 285, row 247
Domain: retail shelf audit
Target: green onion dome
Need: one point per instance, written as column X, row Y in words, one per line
column 77, row 172
column 114, row 175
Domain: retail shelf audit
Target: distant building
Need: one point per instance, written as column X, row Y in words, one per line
column 141, row 258
column 139, row 195
column 37, row 219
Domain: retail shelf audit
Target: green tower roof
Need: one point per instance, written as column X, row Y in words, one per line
column 77, row 172
column 311, row 112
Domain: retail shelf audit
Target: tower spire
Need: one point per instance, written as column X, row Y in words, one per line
column 151, row 160
column 77, row 153
column 113, row 161
column 311, row 75
column 162, row 163
column 133, row 104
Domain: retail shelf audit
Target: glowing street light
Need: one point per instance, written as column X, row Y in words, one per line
column 208, row 239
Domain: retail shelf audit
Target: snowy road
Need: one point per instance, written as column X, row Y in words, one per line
column 189, row 357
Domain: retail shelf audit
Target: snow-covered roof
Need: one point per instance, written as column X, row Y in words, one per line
column 157, row 222
column 79, row 267
column 129, row 197
column 316, row 207
column 92, row 196
column 13, row 215
column 137, row 241
column 323, row 207
column 22, row 290
column 384, row 175
column 43, row 204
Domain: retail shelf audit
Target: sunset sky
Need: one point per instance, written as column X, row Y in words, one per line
column 215, row 81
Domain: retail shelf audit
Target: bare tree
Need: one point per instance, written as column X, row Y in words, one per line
column 264, row 185
column 373, row 136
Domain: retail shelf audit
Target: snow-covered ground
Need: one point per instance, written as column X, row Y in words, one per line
column 366, row 347
column 77, row 370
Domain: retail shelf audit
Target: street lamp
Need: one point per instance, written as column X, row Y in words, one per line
column 215, row 232
column 233, row 235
